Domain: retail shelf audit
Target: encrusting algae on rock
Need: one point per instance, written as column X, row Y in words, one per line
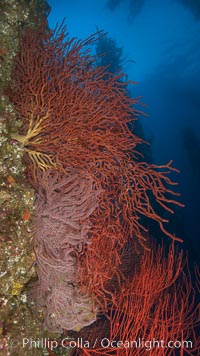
column 16, row 196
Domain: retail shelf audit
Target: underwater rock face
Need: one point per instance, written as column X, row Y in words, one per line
column 16, row 195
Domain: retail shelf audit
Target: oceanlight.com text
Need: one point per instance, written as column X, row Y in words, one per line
column 146, row 344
